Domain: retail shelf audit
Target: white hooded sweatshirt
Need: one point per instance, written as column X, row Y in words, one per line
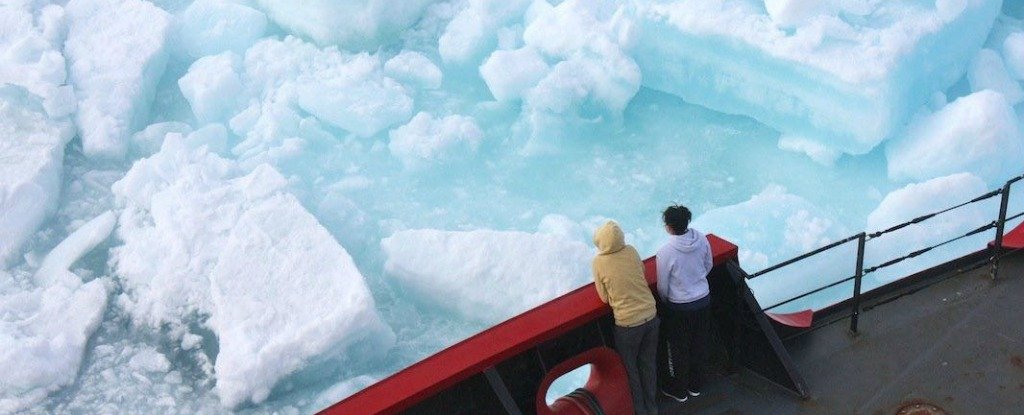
column 683, row 266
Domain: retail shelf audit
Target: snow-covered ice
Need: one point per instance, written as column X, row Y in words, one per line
column 32, row 155
column 485, row 269
column 848, row 74
column 978, row 133
column 263, row 258
column 115, row 75
column 305, row 197
column 44, row 330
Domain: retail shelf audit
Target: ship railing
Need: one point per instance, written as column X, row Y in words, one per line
column 996, row 251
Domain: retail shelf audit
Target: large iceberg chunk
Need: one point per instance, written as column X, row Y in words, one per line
column 31, row 163
column 204, row 239
column 979, row 133
column 846, row 76
column 282, row 275
column 44, row 330
column 493, row 274
column 115, row 74
column 359, row 24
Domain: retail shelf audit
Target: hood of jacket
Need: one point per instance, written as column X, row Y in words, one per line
column 687, row 242
column 609, row 238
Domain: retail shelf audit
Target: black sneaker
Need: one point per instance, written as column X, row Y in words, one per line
column 693, row 393
column 680, row 398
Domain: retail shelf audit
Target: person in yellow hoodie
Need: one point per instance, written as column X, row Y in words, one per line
column 619, row 280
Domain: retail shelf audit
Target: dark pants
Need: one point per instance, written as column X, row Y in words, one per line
column 638, row 347
column 685, row 348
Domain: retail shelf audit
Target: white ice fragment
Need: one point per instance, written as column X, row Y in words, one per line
column 353, row 24
column 191, row 341
column 441, row 265
column 1013, row 54
column 817, row 151
column 429, row 139
column 115, row 75
column 349, row 91
column 148, row 141
column 44, row 331
column 988, row 72
column 413, row 67
column 978, row 133
column 510, row 73
column 589, row 83
column 31, row 40
column 922, row 198
column 55, row 268
column 213, row 87
column 789, row 13
column 149, row 360
column 32, row 154
column 356, row 96
column 209, row 27
column 474, row 31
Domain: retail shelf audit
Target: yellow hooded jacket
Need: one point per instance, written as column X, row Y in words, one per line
column 619, row 278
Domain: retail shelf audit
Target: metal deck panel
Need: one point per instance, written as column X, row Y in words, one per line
column 958, row 344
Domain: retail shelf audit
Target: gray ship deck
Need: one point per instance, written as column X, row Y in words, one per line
column 957, row 344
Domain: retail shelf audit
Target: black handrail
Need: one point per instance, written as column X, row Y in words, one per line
column 863, row 237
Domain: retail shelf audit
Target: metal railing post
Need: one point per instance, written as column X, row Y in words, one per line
column 997, row 246
column 861, row 239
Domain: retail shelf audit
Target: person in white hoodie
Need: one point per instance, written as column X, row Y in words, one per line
column 683, row 265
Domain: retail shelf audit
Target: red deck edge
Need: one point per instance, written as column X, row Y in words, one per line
column 1013, row 239
column 799, row 319
column 489, row 347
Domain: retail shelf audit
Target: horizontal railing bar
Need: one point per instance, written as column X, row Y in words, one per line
column 918, row 252
column 1014, row 217
column 923, row 218
column 804, row 256
column 811, row 293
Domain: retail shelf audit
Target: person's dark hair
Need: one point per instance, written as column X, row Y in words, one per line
column 677, row 217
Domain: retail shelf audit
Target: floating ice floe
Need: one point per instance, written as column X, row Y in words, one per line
column 44, row 330
column 31, row 165
column 207, row 243
column 847, row 74
column 987, row 72
column 573, row 72
column 429, row 139
column 209, row 27
column 978, row 133
column 1013, row 53
column 485, row 269
column 115, row 74
column 359, row 24
column 917, row 199
column 31, row 40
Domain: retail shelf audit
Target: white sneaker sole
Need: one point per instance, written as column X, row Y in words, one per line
column 677, row 399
